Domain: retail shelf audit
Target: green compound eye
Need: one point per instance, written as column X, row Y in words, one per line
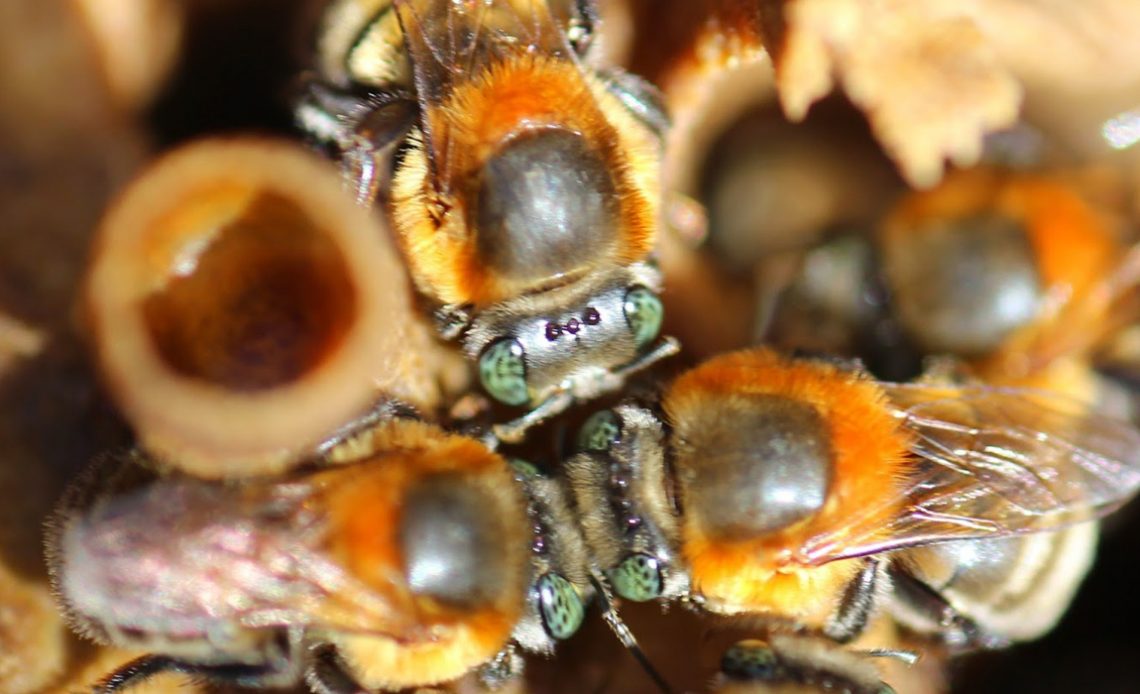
column 560, row 606
column 749, row 660
column 601, row 430
column 644, row 313
column 637, row 578
column 502, row 370
column 887, row 689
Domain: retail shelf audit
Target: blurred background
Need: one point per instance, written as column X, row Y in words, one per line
column 90, row 91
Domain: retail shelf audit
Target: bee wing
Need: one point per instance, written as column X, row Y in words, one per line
column 194, row 559
column 992, row 462
column 449, row 41
column 1079, row 324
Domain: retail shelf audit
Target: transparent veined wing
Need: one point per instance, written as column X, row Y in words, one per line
column 190, row 558
column 449, row 42
column 991, row 462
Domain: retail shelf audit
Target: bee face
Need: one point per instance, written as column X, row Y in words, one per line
column 629, row 522
column 529, row 348
column 559, row 583
column 525, row 191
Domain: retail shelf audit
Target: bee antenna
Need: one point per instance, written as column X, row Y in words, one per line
column 559, row 441
column 624, row 635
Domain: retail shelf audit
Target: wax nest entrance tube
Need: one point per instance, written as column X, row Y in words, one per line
column 242, row 308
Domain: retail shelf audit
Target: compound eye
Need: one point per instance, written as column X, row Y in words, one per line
column 750, row 660
column 502, row 370
column 637, row 578
column 600, row 432
column 644, row 313
column 560, row 606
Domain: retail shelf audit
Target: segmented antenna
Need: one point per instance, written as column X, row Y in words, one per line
column 624, row 635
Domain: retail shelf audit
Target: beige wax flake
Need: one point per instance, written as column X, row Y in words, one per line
column 930, row 83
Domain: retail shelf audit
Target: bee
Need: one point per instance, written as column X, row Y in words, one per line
column 1033, row 277
column 1029, row 274
column 408, row 557
column 788, row 664
column 522, row 185
column 1019, row 277
column 791, row 494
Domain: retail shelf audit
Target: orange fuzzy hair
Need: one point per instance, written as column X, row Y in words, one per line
column 363, row 502
column 763, row 574
column 381, row 664
column 1073, row 243
column 511, row 97
column 1074, row 248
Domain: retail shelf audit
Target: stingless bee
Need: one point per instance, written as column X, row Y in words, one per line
column 1016, row 274
column 792, row 493
column 1030, row 274
column 408, row 557
column 788, row 664
column 522, row 184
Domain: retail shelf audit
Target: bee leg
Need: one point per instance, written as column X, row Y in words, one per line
column 143, row 668
column 336, row 117
column 321, row 112
column 451, row 320
column 515, row 430
column 135, row 672
column 665, row 348
column 858, row 602
column 363, row 127
column 640, row 97
column 503, row 668
column 327, row 674
column 955, row 629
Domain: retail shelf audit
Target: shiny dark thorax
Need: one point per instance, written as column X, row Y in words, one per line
column 962, row 286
